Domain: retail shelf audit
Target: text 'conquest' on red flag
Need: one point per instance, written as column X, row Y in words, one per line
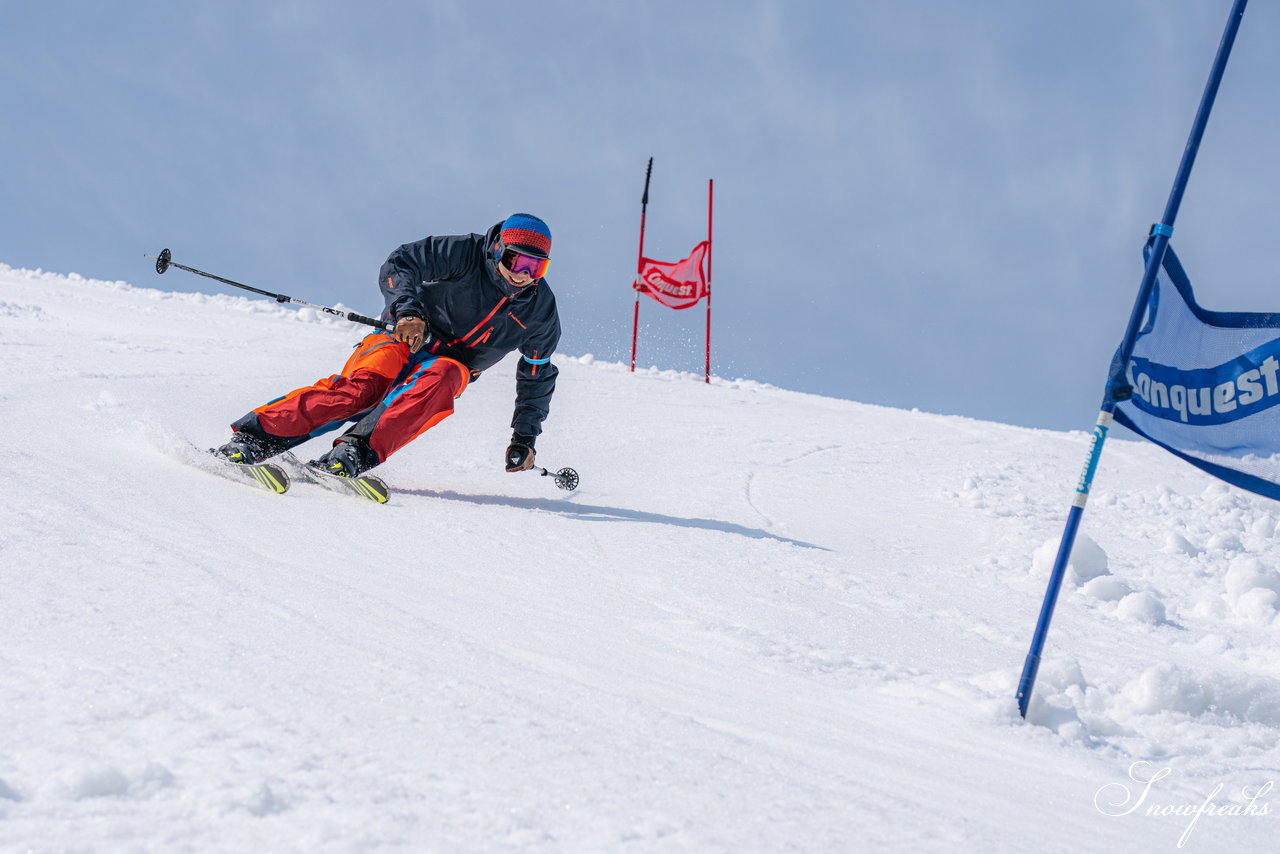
column 678, row 284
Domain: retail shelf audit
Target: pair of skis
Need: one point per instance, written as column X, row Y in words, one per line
column 274, row 477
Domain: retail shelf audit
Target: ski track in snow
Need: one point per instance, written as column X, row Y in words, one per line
column 767, row 621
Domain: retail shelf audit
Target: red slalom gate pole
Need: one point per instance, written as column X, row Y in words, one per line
column 635, row 328
column 635, row 317
column 711, row 196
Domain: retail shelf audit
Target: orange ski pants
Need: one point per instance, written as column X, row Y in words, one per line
column 394, row 397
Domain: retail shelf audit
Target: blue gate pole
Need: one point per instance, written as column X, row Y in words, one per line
column 1160, row 234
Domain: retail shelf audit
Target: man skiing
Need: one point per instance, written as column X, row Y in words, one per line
column 460, row 304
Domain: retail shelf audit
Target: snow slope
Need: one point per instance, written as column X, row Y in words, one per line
column 767, row 621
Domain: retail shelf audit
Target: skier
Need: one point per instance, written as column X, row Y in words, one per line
column 460, row 304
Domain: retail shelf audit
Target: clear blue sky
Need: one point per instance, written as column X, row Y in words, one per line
column 920, row 203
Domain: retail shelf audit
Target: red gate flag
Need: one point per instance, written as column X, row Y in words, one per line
column 678, row 284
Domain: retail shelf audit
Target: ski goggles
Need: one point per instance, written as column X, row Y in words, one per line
column 518, row 262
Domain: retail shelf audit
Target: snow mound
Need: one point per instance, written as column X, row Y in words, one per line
column 1087, row 561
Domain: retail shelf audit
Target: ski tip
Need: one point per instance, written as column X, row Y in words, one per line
column 371, row 488
column 271, row 478
column 366, row 486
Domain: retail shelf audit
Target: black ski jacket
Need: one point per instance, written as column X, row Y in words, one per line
column 474, row 316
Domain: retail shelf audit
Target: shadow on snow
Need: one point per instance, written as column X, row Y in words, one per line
column 595, row 513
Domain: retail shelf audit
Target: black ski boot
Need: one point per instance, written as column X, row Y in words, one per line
column 351, row 456
column 247, row 449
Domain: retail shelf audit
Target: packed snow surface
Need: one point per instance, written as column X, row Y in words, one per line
column 766, row 621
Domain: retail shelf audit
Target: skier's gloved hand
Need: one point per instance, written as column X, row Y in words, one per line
column 412, row 330
column 520, row 453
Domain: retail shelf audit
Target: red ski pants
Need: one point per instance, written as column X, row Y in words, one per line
column 396, row 397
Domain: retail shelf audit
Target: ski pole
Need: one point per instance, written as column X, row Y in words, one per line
column 565, row 478
column 165, row 261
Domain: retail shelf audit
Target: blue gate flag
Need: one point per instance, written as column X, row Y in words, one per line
column 1206, row 384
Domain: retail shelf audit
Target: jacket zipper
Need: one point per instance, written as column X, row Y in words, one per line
column 487, row 318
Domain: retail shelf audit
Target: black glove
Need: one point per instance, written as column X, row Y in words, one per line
column 520, row 453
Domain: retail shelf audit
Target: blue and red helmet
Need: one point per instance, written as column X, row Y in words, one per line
column 526, row 234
